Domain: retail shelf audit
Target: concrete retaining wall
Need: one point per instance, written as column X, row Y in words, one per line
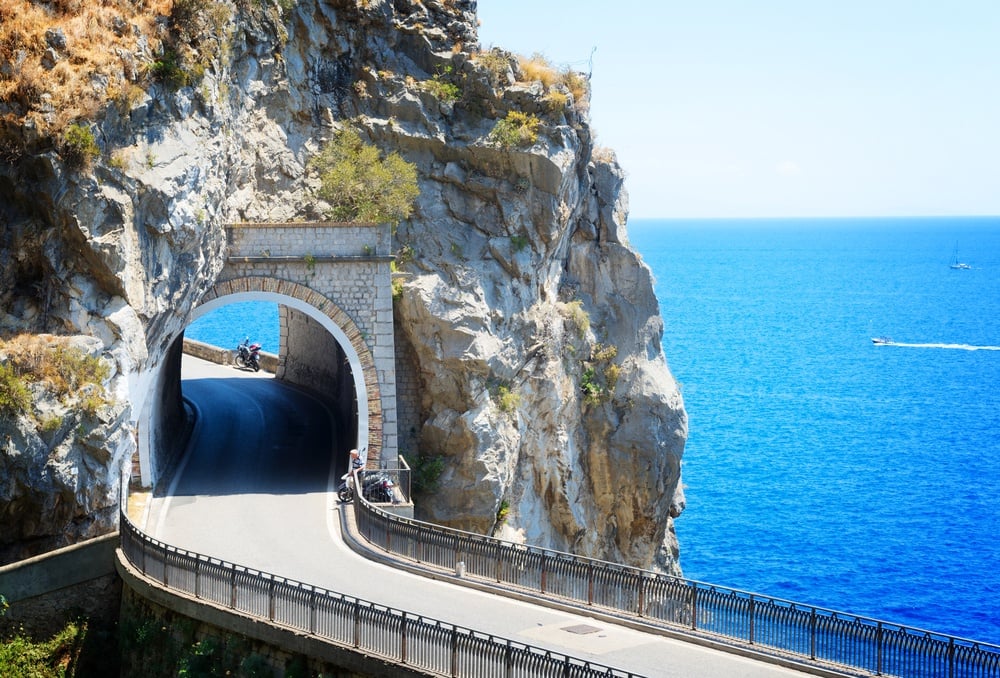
column 225, row 356
column 51, row 589
column 147, row 604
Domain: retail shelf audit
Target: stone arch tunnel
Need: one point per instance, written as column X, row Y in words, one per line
column 336, row 335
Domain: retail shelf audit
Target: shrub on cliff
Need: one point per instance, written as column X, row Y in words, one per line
column 79, row 146
column 62, row 370
column 360, row 185
column 518, row 129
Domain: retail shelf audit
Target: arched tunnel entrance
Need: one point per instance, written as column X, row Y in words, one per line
column 320, row 350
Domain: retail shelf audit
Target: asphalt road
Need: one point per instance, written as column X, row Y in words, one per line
column 256, row 488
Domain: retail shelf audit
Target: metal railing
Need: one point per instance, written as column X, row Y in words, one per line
column 825, row 637
column 408, row 639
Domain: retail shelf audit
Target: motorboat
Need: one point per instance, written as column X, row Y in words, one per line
column 881, row 340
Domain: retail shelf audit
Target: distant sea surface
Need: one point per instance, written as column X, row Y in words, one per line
column 820, row 467
column 229, row 325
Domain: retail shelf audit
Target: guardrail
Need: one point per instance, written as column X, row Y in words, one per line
column 411, row 640
column 825, row 637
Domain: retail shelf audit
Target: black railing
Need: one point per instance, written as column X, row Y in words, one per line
column 771, row 625
column 397, row 636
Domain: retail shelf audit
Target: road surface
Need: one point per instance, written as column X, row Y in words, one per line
column 256, row 488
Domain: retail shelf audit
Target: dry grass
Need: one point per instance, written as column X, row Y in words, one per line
column 53, row 361
column 88, row 66
column 537, row 68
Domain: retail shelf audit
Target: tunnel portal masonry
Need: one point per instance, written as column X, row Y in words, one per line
column 332, row 285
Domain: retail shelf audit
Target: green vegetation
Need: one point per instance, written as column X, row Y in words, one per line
column 598, row 386
column 516, row 130
column 62, row 370
column 14, row 395
column 506, row 399
column 76, row 650
column 503, row 510
column 359, row 185
column 442, row 88
column 426, row 473
column 591, row 389
column 168, row 70
column 518, row 242
column 79, row 146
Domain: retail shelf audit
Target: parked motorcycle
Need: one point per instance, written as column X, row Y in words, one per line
column 248, row 355
column 376, row 487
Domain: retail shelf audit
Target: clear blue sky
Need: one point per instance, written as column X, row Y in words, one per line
column 732, row 108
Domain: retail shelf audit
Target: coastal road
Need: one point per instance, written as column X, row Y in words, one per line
column 256, row 488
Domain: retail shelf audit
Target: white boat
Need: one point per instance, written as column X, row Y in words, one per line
column 882, row 341
column 956, row 264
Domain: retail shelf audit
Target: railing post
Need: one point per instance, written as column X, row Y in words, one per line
column 812, row 633
column 232, row 587
column 197, row 580
column 357, row 623
column 879, row 640
column 694, row 605
column 642, row 595
column 454, row 652
column 402, row 640
column 312, row 612
column 165, row 565
column 590, row 583
column 541, row 580
column 508, row 660
column 270, row 600
column 752, row 615
column 951, row 657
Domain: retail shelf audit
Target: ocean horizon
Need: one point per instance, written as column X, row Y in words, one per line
column 822, row 468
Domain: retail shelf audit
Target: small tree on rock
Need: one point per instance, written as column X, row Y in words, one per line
column 359, row 185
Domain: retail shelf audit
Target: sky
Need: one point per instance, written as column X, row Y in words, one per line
column 782, row 108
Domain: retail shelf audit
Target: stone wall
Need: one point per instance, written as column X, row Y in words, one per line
column 47, row 591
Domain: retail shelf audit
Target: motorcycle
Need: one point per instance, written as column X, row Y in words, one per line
column 248, row 355
column 376, row 487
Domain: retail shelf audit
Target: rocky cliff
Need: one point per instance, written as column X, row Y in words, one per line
column 529, row 325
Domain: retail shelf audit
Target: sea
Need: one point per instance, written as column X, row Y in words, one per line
column 820, row 467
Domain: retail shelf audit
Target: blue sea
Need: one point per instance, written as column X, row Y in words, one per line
column 820, row 467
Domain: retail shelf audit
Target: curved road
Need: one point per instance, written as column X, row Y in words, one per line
column 255, row 488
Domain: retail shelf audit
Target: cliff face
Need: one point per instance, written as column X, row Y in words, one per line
column 530, row 327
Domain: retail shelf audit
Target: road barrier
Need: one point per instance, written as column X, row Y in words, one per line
column 407, row 639
column 825, row 638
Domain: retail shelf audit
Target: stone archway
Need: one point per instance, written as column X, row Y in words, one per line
column 332, row 318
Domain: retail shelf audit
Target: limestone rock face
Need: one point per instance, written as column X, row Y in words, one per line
column 532, row 325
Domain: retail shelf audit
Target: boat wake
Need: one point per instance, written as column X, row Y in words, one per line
column 958, row 347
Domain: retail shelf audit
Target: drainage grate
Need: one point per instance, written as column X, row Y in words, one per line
column 581, row 629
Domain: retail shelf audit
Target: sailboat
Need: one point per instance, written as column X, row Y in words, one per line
column 956, row 264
